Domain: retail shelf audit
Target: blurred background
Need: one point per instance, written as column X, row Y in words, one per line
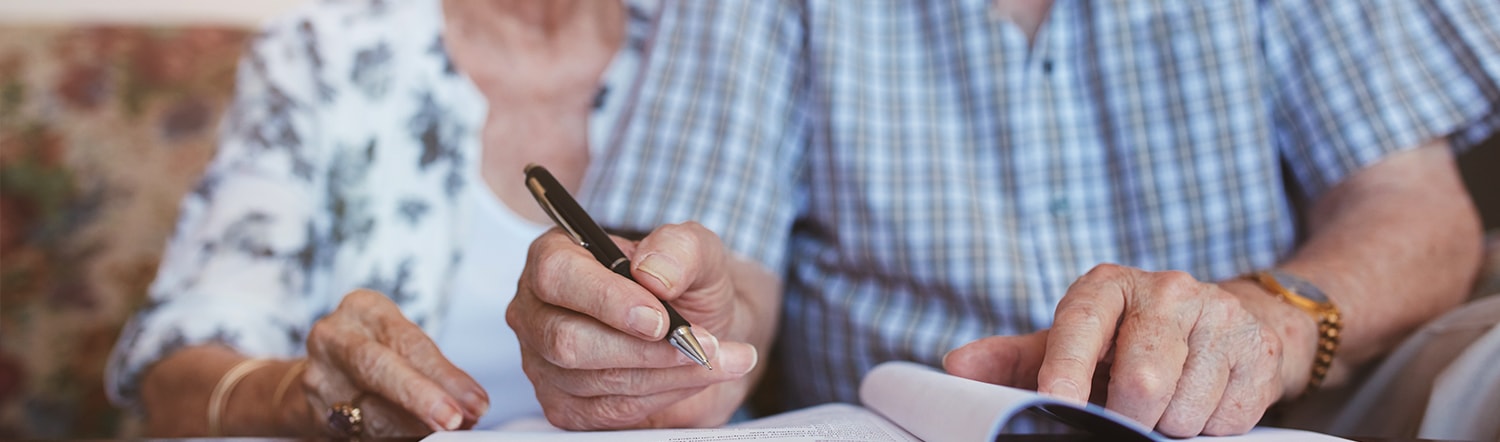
column 108, row 111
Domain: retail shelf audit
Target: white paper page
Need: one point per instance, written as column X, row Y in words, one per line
column 1268, row 434
column 821, row 423
column 937, row 406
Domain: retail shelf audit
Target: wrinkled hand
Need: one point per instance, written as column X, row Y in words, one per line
column 366, row 346
column 591, row 340
column 1183, row 356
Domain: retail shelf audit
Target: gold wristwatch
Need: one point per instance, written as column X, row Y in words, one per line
column 1306, row 296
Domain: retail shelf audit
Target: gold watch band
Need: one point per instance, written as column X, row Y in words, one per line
column 1330, row 324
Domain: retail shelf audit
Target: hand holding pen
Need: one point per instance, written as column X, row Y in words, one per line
column 592, row 339
column 570, row 217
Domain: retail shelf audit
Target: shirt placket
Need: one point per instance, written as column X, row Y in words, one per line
column 1033, row 148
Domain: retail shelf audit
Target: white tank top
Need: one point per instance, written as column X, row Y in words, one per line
column 475, row 336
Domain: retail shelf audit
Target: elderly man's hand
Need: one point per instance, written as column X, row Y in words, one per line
column 591, row 341
column 1183, row 356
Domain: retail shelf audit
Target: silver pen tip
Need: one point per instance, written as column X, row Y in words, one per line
column 683, row 339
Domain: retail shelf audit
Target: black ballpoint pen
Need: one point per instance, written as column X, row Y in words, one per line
column 570, row 216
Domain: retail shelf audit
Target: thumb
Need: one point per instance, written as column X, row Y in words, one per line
column 678, row 258
column 1005, row 360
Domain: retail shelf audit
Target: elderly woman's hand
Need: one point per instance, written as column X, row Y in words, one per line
column 367, row 354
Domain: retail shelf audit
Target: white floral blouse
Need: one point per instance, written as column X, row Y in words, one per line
column 348, row 140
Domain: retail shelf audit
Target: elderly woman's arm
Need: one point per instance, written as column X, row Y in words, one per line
column 240, row 278
column 364, row 347
column 175, row 394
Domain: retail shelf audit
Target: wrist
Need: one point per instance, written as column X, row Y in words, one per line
column 247, row 412
column 293, row 414
column 1297, row 331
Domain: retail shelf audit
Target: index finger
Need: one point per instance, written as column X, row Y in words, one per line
column 373, row 367
column 1082, row 330
column 383, row 320
column 571, row 340
column 560, row 272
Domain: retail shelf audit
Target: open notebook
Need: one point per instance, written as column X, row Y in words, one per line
column 903, row 402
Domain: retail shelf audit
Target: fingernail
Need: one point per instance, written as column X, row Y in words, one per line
column 447, row 416
column 1066, row 390
column 661, row 268
column 738, row 361
column 645, row 320
column 478, row 403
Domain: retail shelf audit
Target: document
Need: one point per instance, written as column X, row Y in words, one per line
column 903, row 402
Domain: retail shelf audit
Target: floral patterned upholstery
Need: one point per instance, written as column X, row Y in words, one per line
column 102, row 130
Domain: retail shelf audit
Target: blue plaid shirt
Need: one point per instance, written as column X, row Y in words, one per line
column 923, row 176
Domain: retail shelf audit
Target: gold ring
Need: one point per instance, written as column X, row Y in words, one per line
column 345, row 418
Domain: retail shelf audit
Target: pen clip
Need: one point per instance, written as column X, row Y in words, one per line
column 539, row 192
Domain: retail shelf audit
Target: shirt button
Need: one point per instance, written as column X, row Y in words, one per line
column 600, row 96
column 1059, row 207
column 1047, row 66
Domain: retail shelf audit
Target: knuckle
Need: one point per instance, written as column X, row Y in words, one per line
column 561, row 347
column 408, row 341
column 618, row 411
column 695, row 237
column 356, row 300
column 1176, row 426
column 1066, row 366
column 548, row 270
column 1177, row 277
column 1176, row 283
column 1235, row 416
column 1143, row 384
column 320, row 334
column 366, row 302
column 1221, row 425
column 562, row 418
column 362, row 297
column 699, row 235
column 1106, row 271
column 315, row 377
column 537, row 372
column 611, row 381
column 685, row 231
column 539, row 247
column 678, row 236
column 1080, row 314
column 369, row 357
column 514, row 317
column 330, row 336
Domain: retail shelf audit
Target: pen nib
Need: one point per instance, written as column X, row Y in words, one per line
column 682, row 338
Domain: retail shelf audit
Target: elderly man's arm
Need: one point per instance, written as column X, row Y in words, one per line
column 1394, row 246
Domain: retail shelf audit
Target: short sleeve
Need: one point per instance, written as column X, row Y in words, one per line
column 1353, row 81
column 716, row 129
column 236, row 271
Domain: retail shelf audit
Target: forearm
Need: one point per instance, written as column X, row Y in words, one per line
column 1393, row 246
column 176, row 393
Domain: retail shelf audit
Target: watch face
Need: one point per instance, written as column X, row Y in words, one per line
column 1299, row 286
